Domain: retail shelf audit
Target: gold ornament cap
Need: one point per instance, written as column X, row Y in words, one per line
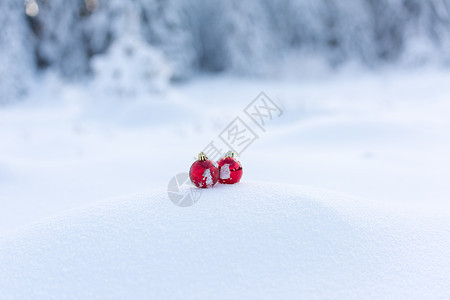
column 230, row 154
column 202, row 156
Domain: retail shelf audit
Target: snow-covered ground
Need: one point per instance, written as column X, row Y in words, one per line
column 254, row 240
column 380, row 140
column 384, row 137
column 345, row 109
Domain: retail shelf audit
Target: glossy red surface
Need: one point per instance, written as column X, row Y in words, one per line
column 204, row 174
column 230, row 170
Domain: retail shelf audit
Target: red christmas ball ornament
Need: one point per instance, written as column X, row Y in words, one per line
column 230, row 169
column 204, row 173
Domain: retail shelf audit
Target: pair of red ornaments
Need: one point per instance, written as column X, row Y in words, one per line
column 205, row 173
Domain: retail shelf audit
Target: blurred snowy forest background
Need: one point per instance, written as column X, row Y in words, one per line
column 106, row 97
column 170, row 40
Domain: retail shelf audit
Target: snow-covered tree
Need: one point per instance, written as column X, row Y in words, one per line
column 243, row 37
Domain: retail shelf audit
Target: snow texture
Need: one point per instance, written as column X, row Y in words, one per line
column 208, row 177
column 225, row 171
column 380, row 136
column 250, row 240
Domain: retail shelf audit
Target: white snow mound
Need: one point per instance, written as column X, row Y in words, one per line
column 250, row 240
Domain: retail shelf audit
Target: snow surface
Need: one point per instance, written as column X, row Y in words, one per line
column 208, row 177
column 258, row 240
column 130, row 121
column 225, row 171
column 384, row 137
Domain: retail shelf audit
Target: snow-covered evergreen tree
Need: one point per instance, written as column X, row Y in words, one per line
column 244, row 37
column 16, row 51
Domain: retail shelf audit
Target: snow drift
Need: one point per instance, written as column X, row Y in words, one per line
column 255, row 240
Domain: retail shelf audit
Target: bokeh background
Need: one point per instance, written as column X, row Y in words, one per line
column 100, row 98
